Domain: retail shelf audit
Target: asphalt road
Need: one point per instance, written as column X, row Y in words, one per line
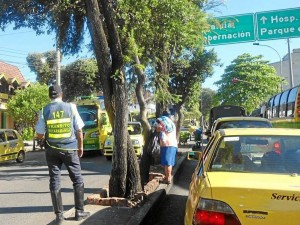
column 24, row 189
column 25, row 197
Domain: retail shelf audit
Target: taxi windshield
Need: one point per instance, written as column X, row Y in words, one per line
column 134, row 129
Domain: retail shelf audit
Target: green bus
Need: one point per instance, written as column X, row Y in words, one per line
column 96, row 123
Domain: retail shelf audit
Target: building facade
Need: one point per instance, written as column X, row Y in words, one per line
column 11, row 79
column 283, row 69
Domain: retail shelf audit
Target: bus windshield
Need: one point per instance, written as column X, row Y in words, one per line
column 88, row 114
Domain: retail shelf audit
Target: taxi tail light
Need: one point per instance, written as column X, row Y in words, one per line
column 212, row 212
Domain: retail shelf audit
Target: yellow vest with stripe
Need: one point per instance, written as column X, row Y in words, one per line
column 60, row 132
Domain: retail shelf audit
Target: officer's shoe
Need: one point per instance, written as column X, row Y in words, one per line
column 79, row 202
column 59, row 219
column 81, row 214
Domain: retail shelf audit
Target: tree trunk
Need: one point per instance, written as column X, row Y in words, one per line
column 146, row 157
column 117, row 182
column 139, row 90
column 125, row 177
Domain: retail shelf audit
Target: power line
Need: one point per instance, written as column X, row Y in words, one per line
column 12, row 56
column 16, row 33
column 27, row 64
column 14, row 50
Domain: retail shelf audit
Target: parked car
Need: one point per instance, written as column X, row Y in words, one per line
column 237, row 122
column 136, row 136
column 246, row 176
column 11, row 146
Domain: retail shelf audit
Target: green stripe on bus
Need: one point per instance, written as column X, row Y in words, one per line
column 295, row 125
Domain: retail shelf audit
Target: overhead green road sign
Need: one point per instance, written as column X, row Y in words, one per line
column 278, row 24
column 231, row 29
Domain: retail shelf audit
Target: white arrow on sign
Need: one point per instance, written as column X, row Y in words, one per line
column 263, row 19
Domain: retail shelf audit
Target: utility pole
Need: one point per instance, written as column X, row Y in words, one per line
column 202, row 117
column 57, row 65
column 290, row 65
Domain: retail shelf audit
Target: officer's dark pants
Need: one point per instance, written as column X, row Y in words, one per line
column 55, row 159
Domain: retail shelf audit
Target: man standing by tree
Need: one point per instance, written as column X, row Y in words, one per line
column 61, row 126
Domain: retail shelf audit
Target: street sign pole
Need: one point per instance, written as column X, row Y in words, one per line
column 290, row 65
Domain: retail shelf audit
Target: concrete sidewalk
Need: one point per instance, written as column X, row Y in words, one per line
column 113, row 215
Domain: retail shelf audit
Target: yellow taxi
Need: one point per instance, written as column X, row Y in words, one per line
column 136, row 137
column 246, row 176
column 11, row 146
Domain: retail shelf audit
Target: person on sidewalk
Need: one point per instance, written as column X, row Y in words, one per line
column 60, row 125
column 168, row 145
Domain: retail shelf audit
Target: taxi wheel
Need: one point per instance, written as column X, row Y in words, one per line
column 21, row 157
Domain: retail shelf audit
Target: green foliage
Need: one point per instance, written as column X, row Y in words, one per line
column 44, row 65
column 168, row 24
column 187, row 72
column 28, row 133
column 256, row 81
column 193, row 104
column 207, row 101
column 24, row 106
column 157, row 31
column 80, row 78
column 66, row 18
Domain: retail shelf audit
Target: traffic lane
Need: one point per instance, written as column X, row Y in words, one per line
column 24, row 187
column 172, row 209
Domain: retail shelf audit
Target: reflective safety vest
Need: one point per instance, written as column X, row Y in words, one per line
column 60, row 132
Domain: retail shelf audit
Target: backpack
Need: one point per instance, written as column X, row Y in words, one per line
column 154, row 148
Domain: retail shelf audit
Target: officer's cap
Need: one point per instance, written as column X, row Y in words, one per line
column 54, row 91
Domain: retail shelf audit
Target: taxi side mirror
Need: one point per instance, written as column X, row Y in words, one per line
column 194, row 155
column 103, row 119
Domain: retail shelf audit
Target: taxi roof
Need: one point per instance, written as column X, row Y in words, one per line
column 259, row 131
column 234, row 118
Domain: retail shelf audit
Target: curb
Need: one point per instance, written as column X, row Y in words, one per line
column 142, row 214
column 149, row 207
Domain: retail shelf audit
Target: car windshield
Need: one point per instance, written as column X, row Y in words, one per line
column 266, row 154
column 134, row 129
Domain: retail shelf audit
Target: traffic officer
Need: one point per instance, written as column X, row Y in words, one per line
column 60, row 125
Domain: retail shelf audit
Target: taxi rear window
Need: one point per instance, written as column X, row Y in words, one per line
column 262, row 154
column 243, row 124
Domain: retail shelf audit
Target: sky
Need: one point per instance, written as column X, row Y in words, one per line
column 15, row 45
